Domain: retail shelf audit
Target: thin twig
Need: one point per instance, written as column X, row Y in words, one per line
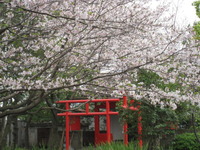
column 59, row 109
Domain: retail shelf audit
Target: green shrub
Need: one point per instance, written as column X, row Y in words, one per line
column 186, row 141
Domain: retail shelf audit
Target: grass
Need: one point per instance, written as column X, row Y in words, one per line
column 106, row 146
column 116, row 146
column 18, row 148
column 121, row 146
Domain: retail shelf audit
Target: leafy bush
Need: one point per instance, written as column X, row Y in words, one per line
column 186, row 141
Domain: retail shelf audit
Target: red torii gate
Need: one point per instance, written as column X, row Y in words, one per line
column 108, row 104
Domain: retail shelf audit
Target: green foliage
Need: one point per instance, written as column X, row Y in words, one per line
column 186, row 141
column 56, row 12
column 39, row 53
column 42, row 113
column 184, row 112
column 197, row 25
column 34, row 148
column 156, row 121
column 197, row 30
column 106, row 146
column 149, row 78
column 117, row 146
column 9, row 148
column 121, row 146
column 197, row 7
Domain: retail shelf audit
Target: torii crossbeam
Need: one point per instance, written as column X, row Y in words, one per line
column 108, row 105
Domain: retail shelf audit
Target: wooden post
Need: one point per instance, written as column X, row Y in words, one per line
column 67, row 128
column 125, row 124
column 108, row 121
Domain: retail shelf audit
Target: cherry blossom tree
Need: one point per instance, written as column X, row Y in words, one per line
column 91, row 46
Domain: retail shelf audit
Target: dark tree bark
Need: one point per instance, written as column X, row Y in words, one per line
column 28, row 121
column 194, row 128
column 5, row 130
column 14, row 131
column 1, row 131
column 54, row 138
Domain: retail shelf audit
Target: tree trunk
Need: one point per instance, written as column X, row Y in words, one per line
column 27, row 145
column 5, row 129
column 154, row 143
column 194, row 128
column 14, row 131
column 2, row 126
column 54, row 138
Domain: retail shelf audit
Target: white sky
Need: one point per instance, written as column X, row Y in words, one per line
column 186, row 12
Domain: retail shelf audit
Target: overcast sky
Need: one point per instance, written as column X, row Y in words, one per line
column 186, row 12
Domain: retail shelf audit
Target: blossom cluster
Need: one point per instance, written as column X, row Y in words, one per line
column 96, row 46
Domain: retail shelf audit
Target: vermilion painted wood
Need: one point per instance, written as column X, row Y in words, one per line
column 87, row 100
column 139, row 125
column 107, row 103
column 87, row 108
column 125, row 105
column 67, row 127
column 88, row 114
column 75, row 123
column 125, row 134
column 108, row 121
